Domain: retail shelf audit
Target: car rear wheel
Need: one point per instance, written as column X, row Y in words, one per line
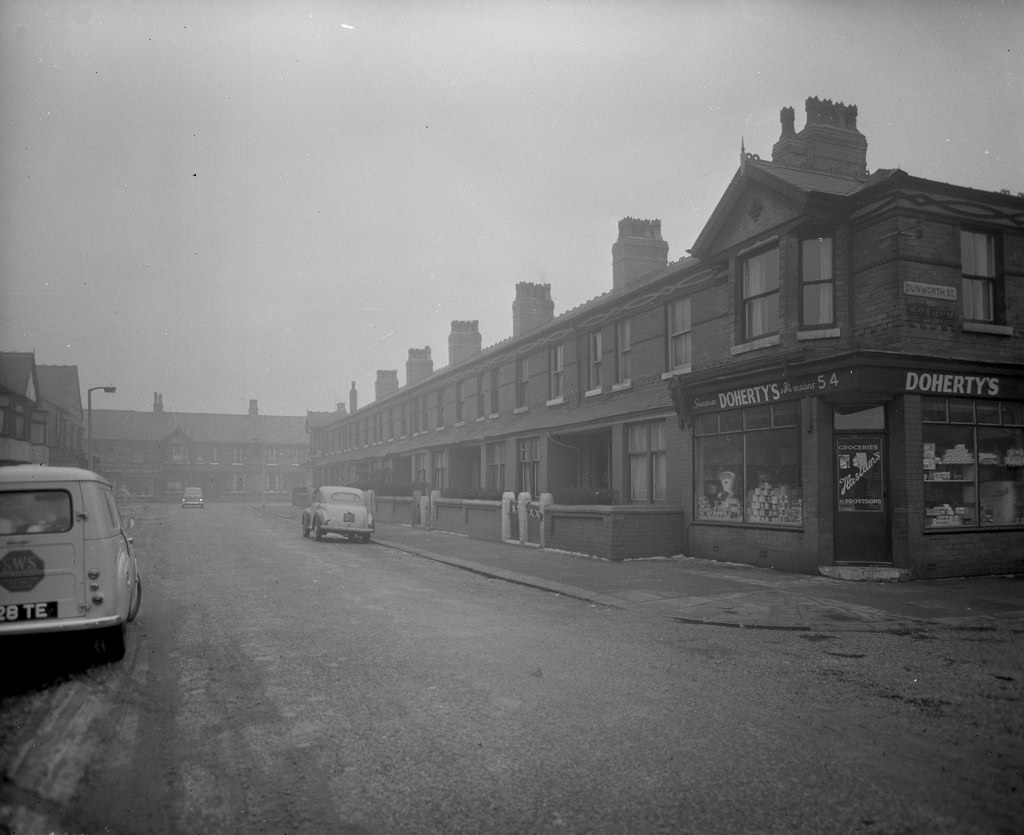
column 305, row 530
column 319, row 534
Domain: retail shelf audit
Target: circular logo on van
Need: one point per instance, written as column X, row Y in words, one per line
column 21, row 570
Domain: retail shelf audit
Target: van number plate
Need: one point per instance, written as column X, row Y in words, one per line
column 28, row 611
column 349, row 517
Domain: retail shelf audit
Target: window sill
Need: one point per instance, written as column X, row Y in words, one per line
column 518, row 410
column 439, row 429
column 626, row 384
column 984, row 327
column 755, row 345
column 593, row 392
column 823, row 333
column 459, row 424
column 556, row 401
column 675, row 372
column 495, row 415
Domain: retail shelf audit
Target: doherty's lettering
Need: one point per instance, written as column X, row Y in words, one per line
column 964, row 384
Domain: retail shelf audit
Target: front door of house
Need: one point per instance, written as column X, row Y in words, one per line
column 861, row 505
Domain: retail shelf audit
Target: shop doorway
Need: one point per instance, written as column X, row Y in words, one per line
column 861, row 483
column 861, row 510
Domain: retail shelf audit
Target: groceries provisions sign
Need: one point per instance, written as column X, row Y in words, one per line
column 859, row 474
column 773, row 391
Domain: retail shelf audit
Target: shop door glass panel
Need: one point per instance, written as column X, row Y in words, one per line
column 862, row 518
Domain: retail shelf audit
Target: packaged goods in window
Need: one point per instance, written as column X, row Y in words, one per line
column 722, row 503
column 947, row 516
column 774, row 504
column 929, row 456
column 1014, row 458
column 958, row 455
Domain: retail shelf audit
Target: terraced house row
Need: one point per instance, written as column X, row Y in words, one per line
column 832, row 379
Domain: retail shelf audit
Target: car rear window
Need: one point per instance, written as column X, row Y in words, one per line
column 35, row 511
column 345, row 498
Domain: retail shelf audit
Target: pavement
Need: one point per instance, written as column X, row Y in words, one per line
column 715, row 593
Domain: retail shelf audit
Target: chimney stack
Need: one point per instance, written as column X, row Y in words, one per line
column 639, row 251
column 387, row 383
column 464, row 341
column 353, row 399
column 533, row 307
column 829, row 143
column 158, row 402
column 419, row 366
column 254, row 409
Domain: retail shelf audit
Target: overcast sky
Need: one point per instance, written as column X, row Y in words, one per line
column 233, row 200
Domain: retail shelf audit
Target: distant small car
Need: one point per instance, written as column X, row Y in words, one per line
column 192, row 497
column 66, row 560
column 339, row 510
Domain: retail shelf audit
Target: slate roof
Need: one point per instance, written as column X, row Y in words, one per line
column 808, row 181
column 318, row 420
column 124, row 425
column 58, row 384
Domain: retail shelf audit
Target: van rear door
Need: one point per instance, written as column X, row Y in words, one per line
column 41, row 560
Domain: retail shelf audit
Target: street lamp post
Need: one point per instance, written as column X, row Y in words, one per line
column 88, row 400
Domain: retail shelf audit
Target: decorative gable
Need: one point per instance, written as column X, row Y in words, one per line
column 754, row 211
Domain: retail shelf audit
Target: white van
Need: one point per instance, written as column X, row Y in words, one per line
column 66, row 561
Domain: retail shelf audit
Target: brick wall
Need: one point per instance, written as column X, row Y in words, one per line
column 615, row 533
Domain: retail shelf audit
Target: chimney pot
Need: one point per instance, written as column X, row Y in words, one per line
column 419, row 366
column 639, row 251
column 353, row 398
column 464, row 341
column 254, row 408
column 829, row 143
column 387, row 383
column 533, row 307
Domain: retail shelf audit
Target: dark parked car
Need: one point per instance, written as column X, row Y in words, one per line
column 339, row 510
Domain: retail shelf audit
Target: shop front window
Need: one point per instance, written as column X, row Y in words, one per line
column 748, row 466
column 973, row 462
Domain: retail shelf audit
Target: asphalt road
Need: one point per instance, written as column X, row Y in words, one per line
column 276, row 684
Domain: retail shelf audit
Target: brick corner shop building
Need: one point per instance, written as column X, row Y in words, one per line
column 856, row 396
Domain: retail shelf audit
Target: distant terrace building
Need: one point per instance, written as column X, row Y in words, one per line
column 22, row 411
column 61, row 395
column 231, row 457
column 833, row 382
